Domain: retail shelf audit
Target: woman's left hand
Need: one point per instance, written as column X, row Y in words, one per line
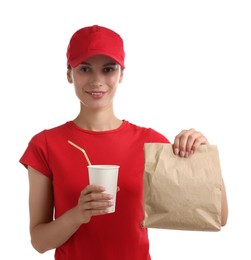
column 187, row 141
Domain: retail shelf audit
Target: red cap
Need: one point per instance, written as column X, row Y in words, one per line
column 95, row 40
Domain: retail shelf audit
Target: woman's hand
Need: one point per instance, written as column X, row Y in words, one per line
column 93, row 201
column 187, row 141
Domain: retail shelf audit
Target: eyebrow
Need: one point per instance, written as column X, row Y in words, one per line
column 107, row 64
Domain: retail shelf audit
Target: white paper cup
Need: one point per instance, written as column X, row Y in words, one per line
column 106, row 176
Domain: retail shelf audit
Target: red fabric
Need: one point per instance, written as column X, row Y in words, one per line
column 95, row 40
column 112, row 236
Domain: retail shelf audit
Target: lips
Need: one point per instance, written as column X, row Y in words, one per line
column 96, row 94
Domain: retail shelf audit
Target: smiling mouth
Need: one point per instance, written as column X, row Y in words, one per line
column 96, row 94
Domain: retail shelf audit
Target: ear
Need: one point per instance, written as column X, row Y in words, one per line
column 69, row 77
column 121, row 76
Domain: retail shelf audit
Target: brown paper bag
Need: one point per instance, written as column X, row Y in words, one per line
column 182, row 193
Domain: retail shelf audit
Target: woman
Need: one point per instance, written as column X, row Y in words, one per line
column 68, row 214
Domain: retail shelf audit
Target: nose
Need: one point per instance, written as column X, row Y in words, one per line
column 95, row 84
column 96, row 81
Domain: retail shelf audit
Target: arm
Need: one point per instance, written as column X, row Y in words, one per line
column 185, row 144
column 47, row 233
column 224, row 205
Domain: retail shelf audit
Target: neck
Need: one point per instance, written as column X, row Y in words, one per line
column 97, row 120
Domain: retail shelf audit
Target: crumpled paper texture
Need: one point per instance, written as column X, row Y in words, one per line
column 182, row 193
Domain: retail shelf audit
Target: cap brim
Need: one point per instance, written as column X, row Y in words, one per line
column 75, row 62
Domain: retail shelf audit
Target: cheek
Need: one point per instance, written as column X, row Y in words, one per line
column 77, row 92
column 78, row 87
column 79, row 82
column 114, row 81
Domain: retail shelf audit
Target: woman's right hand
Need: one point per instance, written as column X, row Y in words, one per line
column 93, row 201
column 48, row 233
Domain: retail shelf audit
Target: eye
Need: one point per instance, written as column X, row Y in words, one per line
column 84, row 69
column 111, row 68
column 108, row 69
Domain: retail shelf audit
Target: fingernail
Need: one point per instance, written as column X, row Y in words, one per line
column 110, row 203
column 176, row 151
column 182, row 154
column 102, row 188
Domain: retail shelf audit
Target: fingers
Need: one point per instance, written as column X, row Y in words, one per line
column 94, row 201
column 93, row 188
column 187, row 141
column 93, row 197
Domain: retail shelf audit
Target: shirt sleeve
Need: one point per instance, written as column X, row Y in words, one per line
column 155, row 137
column 36, row 155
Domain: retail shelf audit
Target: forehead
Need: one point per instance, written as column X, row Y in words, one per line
column 99, row 59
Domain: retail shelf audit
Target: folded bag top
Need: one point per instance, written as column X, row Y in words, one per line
column 182, row 193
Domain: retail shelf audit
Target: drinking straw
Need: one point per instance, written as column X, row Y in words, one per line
column 82, row 150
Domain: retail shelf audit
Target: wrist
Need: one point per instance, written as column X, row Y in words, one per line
column 77, row 217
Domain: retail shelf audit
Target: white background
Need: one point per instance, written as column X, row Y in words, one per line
column 187, row 65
